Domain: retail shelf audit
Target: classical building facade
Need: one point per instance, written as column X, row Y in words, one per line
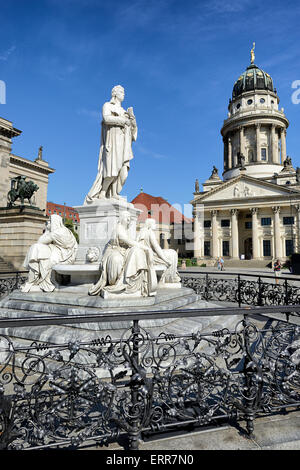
column 253, row 211
column 20, row 226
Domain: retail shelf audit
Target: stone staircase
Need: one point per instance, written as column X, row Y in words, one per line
column 6, row 267
column 247, row 263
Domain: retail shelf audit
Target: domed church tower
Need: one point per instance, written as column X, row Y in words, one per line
column 254, row 134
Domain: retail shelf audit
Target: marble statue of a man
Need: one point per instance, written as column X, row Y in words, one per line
column 56, row 245
column 118, row 131
column 127, row 265
column 165, row 257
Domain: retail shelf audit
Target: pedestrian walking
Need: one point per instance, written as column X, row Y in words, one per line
column 277, row 269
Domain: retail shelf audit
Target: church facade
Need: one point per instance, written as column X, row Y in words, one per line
column 253, row 211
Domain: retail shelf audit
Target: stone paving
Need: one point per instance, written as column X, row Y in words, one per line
column 279, row 432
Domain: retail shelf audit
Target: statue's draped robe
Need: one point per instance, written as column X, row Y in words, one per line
column 125, row 270
column 53, row 247
column 161, row 256
column 115, row 151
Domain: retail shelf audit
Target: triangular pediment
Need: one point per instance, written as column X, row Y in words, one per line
column 245, row 187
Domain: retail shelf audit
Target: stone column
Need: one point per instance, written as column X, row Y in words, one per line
column 229, row 153
column 283, row 144
column 255, row 243
column 297, row 247
column 225, row 154
column 234, row 234
column 198, row 235
column 274, row 144
column 242, row 142
column 258, row 151
column 277, row 240
column 214, row 234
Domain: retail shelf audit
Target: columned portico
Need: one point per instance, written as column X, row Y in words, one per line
column 253, row 214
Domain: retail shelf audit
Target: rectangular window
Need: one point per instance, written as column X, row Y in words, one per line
column 225, row 244
column 266, row 221
column 288, row 221
column 264, row 154
column 207, row 223
column 248, row 224
column 207, row 248
column 289, row 247
column 267, row 247
column 225, row 223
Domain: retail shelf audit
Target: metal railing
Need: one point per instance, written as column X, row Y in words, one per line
column 11, row 280
column 139, row 384
column 243, row 289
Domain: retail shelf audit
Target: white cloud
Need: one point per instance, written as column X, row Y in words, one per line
column 150, row 153
column 90, row 113
column 5, row 55
column 222, row 6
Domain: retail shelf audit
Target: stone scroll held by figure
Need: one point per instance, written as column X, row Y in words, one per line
column 118, row 131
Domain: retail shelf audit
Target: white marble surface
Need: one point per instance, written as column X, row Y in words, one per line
column 118, row 131
column 56, row 245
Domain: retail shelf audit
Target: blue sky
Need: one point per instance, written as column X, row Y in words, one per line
column 177, row 60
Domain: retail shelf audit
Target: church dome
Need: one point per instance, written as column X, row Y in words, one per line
column 253, row 78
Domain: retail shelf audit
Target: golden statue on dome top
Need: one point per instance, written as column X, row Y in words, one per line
column 252, row 54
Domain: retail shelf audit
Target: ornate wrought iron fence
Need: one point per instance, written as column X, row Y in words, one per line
column 10, row 281
column 247, row 289
column 73, row 393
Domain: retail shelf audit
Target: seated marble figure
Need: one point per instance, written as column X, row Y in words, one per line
column 128, row 265
column 56, row 245
column 165, row 257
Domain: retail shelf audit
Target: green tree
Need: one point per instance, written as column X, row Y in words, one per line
column 69, row 224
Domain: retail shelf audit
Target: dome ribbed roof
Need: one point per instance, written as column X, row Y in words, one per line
column 252, row 79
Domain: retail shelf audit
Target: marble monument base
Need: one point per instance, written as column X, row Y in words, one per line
column 68, row 303
column 89, row 273
column 97, row 224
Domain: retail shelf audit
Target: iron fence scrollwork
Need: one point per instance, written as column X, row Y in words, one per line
column 69, row 394
column 243, row 289
column 11, row 281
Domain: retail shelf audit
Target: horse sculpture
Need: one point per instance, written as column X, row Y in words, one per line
column 24, row 190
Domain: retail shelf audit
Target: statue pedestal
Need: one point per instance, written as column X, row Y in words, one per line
column 97, row 223
column 20, row 227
